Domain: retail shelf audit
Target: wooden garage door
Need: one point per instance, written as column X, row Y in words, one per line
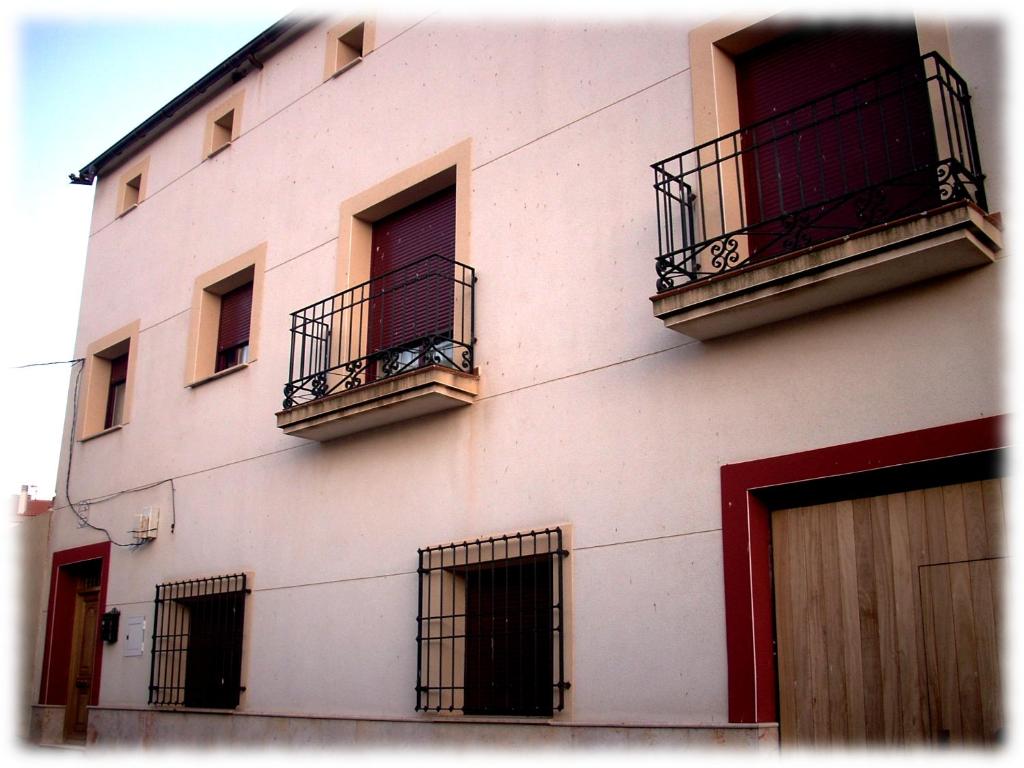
column 888, row 617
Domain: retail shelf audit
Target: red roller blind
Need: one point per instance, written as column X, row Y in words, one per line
column 805, row 154
column 119, row 369
column 235, row 317
column 419, row 301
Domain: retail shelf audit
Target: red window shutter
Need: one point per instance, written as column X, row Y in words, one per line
column 418, row 301
column 235, row 317
column 799, row 158
column 119, row 369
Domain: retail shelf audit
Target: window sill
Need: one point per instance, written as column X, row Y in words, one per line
column 218, row 150
column 345, row 67
column 219, row 374
column 946, row 240
column 406, row 396
column 128, row 210
column 106, row 431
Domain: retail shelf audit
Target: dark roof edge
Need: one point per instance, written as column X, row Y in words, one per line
column 233, row 68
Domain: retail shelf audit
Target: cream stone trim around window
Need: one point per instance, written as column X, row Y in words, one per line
column 358, row 214
column 347, row 43
column 715, row 45
column 205, row 314
column 96, row 380
column 131, row 186
column 441, row 563
column 713, row 49
column 223, row 124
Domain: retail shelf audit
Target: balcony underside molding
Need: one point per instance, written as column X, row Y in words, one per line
column 946, row 240
column 406, row 396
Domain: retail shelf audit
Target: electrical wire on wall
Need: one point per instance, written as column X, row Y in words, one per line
column 81, row 507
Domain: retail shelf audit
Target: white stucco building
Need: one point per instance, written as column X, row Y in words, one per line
column 378, row 439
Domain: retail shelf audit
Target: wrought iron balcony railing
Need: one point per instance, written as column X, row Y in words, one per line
column 888, row 146
column 412, row 317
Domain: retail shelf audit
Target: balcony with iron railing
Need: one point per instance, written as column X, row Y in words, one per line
column 394, row 347
column 786, row 203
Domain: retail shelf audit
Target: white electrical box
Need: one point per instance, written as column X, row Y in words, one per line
column 135, row 630
column 147, row 523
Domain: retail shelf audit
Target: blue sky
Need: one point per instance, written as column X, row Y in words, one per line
column 77, row 84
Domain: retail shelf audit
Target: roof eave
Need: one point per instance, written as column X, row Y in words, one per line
column 230, row 71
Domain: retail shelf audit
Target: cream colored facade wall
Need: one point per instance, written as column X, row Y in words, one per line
column 589, row 411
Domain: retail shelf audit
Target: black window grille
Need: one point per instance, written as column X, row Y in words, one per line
column 197, row 642
column 491, row 626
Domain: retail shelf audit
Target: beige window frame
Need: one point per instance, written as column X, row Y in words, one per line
column 205, row 314
column 223, row 124
column 131, row 186
column 346, row 44
column 444, row 603
column 96, row 380
column 452, row 167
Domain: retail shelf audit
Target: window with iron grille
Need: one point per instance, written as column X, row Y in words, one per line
column 197, row 642
column 491, row 626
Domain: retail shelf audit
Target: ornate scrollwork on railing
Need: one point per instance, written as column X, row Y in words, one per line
column 875, row 150
column 795, row 229
column 318, row 385
column 389, row 363
column 397, row 321
column 725, row 254
column 872, row 206
column 665, row 269
column 354, row 369
column 951, row 177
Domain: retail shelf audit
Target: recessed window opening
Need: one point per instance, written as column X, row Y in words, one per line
column 223, row 128
column 116, row 391
column 132, row 190
column 349, row 47
column 233, row 330
column 491, row 626
column 197, row 642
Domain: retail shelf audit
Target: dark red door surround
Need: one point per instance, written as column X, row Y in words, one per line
column 60, row 619
column 746, row 539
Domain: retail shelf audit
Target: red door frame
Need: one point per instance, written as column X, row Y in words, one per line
column 746, row 539
column 57, row 650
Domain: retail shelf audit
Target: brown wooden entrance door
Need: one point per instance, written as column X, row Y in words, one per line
column 888, row 617
column 83, row 656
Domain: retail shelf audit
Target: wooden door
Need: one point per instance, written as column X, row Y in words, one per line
column 83, row 655
column 888, row 617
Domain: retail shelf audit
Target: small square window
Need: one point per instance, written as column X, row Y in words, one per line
column 131, row 191
column 222, row 130
column 132, row 187
column 347, row 44
column 223, row 124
